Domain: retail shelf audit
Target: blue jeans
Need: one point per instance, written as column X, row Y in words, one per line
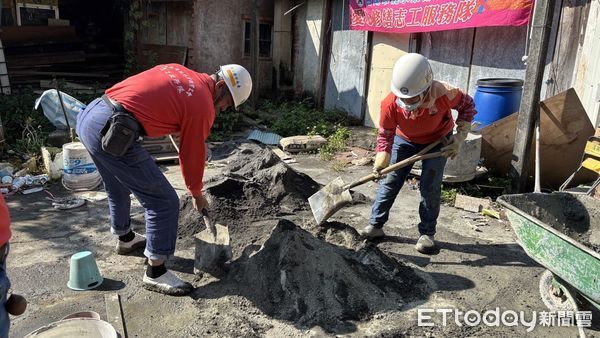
column 430, row 186
column 4, row 287
column 135, row 172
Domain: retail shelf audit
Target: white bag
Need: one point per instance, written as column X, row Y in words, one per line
column 53, row 110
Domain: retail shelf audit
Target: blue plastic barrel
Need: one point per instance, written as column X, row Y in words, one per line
column 497, row 98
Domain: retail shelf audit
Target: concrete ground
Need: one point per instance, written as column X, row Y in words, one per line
column 474, row 270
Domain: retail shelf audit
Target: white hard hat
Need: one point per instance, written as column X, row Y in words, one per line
column 238, row 81
column 412, row 76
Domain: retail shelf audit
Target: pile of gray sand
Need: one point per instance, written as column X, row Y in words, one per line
column 303, row 279
column 255, row 185
column 280, row 264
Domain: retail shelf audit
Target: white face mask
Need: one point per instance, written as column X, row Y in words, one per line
column 414, row 106
column 409, row 107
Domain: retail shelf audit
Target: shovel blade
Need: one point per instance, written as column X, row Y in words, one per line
column 327, row 201
column 212, row 252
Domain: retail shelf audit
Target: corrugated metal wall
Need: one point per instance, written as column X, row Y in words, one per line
column 347, row 71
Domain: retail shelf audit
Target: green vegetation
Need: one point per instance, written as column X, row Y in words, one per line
column 485, row 186
column 25, row 129
column 448, row 194
column 336, row 142
column 226, row 123
column 300, row 118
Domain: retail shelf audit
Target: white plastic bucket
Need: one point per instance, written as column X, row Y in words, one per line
column 76, row 328
column 80, row 172
column 464, row 166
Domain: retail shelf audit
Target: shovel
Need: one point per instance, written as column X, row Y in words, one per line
column 335, row 195
column 212, row 248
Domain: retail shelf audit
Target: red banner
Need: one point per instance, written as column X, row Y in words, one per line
column 412, row 16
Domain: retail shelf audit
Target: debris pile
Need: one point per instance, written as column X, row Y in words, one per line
column 20, row 181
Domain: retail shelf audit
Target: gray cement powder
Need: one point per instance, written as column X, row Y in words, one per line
column 284, row 269
column 575, row 216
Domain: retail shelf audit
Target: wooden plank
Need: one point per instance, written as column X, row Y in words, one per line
column 156, row 30
column 472, row 204
column 58, row 22
column 69, row 85
column 41, row 2
column 114, row 314
column 36, row 33
column 151, row 55
column 49, row 73
column 564, row 128
column 46, row 58
column 567, row 46
column 178, row 23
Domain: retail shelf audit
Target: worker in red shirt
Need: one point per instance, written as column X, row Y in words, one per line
column 164, row 100
column 9, row 304
column 416, row 113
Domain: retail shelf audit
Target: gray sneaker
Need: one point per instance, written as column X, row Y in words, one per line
column 371, row 232
column 425, row 244
column 168, row 283
column 138, row 242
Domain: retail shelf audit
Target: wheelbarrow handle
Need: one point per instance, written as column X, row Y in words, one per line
column 421, row 155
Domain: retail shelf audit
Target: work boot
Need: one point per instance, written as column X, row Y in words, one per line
column 138, row 242
column 425, row 244
column 371, row 232
column 168, row 283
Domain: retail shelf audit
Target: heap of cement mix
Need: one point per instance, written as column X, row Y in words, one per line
column 298, row 277
column 283, row 269
column 574, row 215
column 255, row 184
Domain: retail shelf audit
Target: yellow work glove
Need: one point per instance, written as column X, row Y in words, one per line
column 382, row 160
column 456, row 140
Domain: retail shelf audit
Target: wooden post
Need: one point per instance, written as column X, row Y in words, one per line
column 255, row 51
column 529, row 111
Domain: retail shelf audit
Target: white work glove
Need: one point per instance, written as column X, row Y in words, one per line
column 382, row 160
column 456, row 140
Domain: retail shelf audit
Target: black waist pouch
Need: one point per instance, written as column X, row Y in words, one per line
column 119, row 133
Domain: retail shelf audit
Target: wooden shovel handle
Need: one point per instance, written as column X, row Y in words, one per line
column 209, row 224
column 421, row 155
column 409, row 161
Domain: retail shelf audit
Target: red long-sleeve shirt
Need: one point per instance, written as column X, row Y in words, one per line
column 427, row 124
column 5, row 232
column 170, row 99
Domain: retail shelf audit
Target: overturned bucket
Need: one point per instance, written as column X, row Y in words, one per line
column 84, row 273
